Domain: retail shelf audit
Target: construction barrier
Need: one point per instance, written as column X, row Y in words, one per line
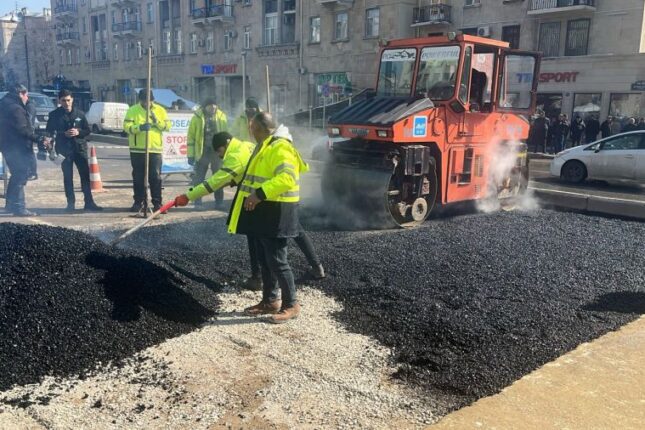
column 175, row 144
column 95, row 173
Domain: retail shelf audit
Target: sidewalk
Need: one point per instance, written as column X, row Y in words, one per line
column 599, row 385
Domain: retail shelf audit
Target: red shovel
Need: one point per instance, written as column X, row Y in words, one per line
column 162, row 209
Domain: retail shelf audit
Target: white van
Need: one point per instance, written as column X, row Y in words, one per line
column 106, row 116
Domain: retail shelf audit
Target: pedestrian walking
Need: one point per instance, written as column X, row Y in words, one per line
column 17, row 138
column 240, row 127
column 560, row 133
column 538, row 132
column 630, row 125
column 137, row 124
column 266, row 208
column 207, row 121
column 577, row 130
column 592, row 128
column 606, row 127
column 70, row 128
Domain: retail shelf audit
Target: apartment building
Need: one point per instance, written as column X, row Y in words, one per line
column 321, row 51
column 26, row 53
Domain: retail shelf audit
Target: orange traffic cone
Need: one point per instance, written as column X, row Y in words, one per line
column 96, row 184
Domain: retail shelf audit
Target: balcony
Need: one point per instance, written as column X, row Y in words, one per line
column 126, row 29
column 123, row 4
column 210, row 15
column 66, row 12
column 336, row 2
column 553, row 7
column 69, row 38
column 438, row 14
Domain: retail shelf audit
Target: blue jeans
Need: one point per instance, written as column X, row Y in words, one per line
column 272, row 254
column 19, row 161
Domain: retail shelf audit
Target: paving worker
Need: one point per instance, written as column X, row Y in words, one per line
column 70, row 128
column 17, row 138
column 207, row 121
column 136, row 124
column 235, row 155
column 266, row 208
column 240, row 127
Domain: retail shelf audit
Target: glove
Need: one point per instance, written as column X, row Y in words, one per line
column 181, row 200
column 191, row 161
column 144, row 127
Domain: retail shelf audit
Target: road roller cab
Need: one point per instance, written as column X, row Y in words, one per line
column 446, row 117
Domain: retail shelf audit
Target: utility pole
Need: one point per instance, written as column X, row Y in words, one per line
column 24, row 26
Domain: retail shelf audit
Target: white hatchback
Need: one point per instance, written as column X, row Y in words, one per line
column 620, row 157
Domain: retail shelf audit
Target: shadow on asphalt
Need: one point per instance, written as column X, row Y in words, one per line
column 625, row 302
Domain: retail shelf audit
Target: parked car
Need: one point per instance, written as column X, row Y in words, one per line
column 106, row 117
column 620, row 157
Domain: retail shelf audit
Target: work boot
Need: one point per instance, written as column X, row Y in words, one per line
column 136, row 207
column 254, row 283
column 92, row 207
column 263, row 308
column 317, row 272
column 24, row 212
column 285, row 314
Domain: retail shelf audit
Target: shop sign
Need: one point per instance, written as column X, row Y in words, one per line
column 638, row 86
column 219, row 69
column 333, row 83
column 547, row 77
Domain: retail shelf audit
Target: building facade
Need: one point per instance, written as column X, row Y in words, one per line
column 27, row 48
column 321, row 51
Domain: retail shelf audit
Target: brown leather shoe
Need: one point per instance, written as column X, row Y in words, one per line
column 263, row 308
column 285, row 314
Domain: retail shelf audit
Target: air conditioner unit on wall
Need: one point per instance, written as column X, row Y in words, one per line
column 483, row 31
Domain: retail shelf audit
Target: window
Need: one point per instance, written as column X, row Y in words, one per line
column 78, row 55
column 247, row 37
column 247, row 2
column 465, row 76
column 177, row 45
column 577, row 37
column 139, row 49
column 586, row 105
column 623, row 143
column 340, row 26
column 549, row 39
column 472, row 2
column 209, row 42
column 113, row 15
column 623, row 106
column 270, row 29
column 511, row 34
column 193, row 43
column 84, row 25
column 516, row 81
column 126, row 51
column 289, row 22
column 314, row 32
column 115, row 54
column 69, row 56
column 437, row 72
column 61, row 54
column 167, row 43
column 472, row 31
column 150, row 12
column 372, row 22
column 227, row 41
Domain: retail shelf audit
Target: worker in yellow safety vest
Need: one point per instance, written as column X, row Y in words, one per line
column 235, row 155
column 266, row 208
column 240, row 128
column 207, row 121
column 136, row 124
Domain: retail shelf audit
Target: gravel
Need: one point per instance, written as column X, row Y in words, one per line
column 68, row 303
column 468, row 304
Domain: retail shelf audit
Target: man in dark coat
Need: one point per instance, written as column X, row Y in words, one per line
column 605, row 127
column 17, row 140
column 577, row 130
column 592, row 129
column 539, row 132
column 70, row 127
column 560, row 133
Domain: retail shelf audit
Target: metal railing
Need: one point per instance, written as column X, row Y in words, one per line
column 554, row 4
column 213, row 11
column 70, row 7
column 126, row 26
column 73, row 35
column 437, row 13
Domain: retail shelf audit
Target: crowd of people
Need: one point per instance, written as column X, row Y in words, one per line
column 555, row 135
column 266, row 173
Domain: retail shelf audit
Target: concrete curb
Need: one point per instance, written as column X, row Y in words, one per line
column 588, row 203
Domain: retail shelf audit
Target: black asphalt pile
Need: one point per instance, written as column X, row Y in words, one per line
column 468, row 304
column 68, row 303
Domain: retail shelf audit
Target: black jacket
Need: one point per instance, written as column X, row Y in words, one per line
column 59, row 122
column 605, row 129
column 16, row 130
column 539, row 131
column 592, row 130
